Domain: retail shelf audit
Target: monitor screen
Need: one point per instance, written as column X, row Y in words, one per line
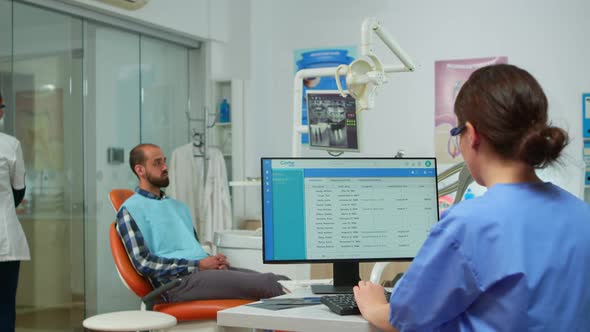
column 346, row 210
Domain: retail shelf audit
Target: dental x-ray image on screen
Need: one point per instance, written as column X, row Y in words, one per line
column 332, row 121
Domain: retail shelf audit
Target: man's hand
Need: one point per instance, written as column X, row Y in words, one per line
column 208, row 263
column 373, row 304
column 217, row 262
column 223, row 263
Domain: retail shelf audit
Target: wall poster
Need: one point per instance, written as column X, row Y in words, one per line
column 449, row 76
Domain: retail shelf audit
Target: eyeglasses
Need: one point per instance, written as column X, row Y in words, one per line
column 457, row 130
column 453, row 144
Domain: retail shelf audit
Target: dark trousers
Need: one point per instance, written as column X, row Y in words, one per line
column 8, row 283
column 234, row 283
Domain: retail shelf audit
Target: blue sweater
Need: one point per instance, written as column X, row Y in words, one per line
column 166, row 226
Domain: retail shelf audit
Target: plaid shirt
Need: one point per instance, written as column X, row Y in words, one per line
column 159, row 270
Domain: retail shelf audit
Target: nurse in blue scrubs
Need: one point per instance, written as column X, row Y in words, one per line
column 516, row 258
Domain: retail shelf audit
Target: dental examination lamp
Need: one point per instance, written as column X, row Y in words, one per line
column 363, row 75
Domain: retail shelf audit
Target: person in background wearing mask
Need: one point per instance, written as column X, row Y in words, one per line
column 516, row 258
column 13, row 244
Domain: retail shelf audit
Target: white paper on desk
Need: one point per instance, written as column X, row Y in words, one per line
column 274, row 306
column 292, row 285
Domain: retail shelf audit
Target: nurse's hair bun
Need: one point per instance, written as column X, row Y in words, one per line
column 542, row 146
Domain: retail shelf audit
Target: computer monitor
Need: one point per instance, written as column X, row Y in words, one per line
column 345, row 211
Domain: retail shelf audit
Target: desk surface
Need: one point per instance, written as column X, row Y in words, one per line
column 308, row 318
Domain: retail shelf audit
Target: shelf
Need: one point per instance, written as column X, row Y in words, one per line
column 223, row 124
column 244, row 183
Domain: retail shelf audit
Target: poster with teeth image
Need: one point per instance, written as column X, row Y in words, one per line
column 332, row 121
column 449, row 77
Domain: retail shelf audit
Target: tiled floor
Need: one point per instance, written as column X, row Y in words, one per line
column 50, row 319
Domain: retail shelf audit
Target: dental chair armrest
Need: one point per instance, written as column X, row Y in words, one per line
column 154, row 297
column 377, row 271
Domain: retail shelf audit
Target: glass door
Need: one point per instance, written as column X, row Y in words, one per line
column 6, row 64
column 112, row 117
column 136, row 91
column 165, row 89
column 75, row 90
column 46, row 100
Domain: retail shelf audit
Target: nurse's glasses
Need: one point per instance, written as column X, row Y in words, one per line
column 455, row 132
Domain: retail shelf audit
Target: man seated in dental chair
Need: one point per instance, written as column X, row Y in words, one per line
column 159, row 237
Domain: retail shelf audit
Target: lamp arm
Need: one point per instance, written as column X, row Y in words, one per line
column 377, row 271
column 370, row 25
column 373, row 78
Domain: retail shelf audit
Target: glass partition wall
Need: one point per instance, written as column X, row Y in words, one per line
column 112, row 116
column 136, row 92
column 75, row 90
column 6, row 63
column 164, row 87
column 46, row 104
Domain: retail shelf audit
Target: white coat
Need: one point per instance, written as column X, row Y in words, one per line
column 187, row 180
column 216, row 209
column 13, row 243
column 206, row 195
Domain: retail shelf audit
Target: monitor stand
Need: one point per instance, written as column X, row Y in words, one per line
column 346, row 276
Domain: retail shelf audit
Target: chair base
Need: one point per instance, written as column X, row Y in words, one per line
column 205, row 326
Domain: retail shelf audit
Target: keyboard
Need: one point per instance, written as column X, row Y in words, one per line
column 344, row 304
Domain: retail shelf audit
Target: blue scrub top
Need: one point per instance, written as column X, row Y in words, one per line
column 515, row 259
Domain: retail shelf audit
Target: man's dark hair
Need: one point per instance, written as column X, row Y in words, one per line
column 137, row 156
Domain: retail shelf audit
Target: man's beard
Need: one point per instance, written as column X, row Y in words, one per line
column 158, row 182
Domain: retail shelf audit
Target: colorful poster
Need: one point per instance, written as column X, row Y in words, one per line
column 39, row 127
column 449, row 76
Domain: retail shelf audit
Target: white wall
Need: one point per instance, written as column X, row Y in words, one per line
column 545, row 37
column 230, row 57
column 191, row 18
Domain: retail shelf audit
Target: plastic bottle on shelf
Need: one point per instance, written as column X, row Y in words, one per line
column 224, row 111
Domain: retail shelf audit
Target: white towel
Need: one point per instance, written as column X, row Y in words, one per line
column 208, row 199
column 187, row 181
column 216, row 208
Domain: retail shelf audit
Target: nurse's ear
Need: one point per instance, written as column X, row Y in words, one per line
column 472, row 135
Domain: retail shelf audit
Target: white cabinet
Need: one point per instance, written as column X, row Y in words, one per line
column 221, row 132
column 229, row 138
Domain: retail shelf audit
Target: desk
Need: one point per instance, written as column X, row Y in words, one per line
column 308, row 318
